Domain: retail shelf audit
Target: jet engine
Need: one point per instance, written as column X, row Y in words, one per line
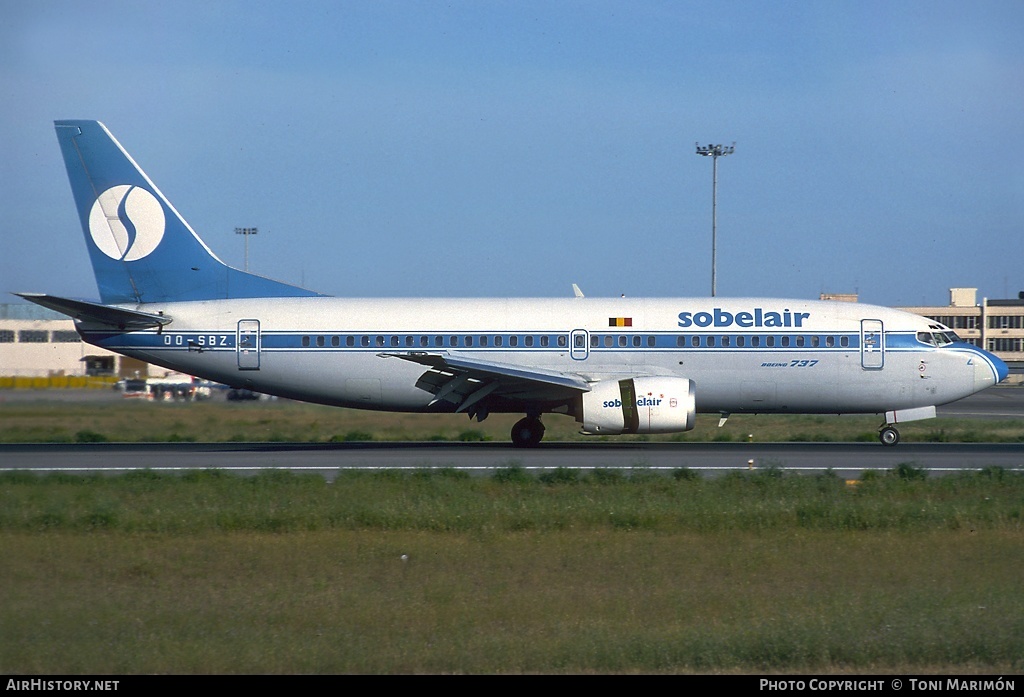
column 639, row 405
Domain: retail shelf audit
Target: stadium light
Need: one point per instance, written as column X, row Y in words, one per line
column 714, row 152
column 247, row 232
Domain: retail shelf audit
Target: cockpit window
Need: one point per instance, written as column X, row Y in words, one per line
column 938, row 338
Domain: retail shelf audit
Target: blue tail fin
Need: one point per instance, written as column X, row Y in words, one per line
column 142, row 250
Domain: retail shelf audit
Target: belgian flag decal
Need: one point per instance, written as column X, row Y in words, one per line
column 620, row 321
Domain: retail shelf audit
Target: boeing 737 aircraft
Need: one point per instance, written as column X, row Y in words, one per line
column 615, row 365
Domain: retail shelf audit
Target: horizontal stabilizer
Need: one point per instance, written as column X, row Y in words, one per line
column 95, row 313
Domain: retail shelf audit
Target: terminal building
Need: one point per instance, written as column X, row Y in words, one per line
column 40, row 348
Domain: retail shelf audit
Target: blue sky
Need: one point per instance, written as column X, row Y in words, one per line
column 514, row 148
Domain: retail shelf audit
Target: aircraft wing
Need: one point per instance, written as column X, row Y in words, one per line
column 465, row 381
column 95, row 313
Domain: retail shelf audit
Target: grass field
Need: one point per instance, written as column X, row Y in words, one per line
column 436, row 572
column 287, row 421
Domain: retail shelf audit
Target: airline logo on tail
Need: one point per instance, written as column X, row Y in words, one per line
column 127, row 223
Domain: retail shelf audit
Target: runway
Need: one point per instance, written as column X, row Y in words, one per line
column 848, row 460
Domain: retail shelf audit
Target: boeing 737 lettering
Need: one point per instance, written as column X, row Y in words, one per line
column 616, row 365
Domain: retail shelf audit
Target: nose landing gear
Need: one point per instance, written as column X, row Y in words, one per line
column 888, row 435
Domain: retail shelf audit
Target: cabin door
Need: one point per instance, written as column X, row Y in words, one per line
column 872, row 344
column 247, row 344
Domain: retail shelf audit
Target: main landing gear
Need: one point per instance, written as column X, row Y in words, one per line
column 888, row 435
column 527, row 432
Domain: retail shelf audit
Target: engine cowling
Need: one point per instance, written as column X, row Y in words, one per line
column 639, row 405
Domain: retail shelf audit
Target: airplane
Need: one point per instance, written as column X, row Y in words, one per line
column 616, row 365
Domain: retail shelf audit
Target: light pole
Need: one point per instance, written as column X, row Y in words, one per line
column 246, row 231
column 714, row 152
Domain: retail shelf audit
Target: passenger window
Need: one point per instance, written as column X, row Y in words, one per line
column 578, row 341
column 622, row 340
column 350, row 341
column 799, row 342
column 651, row 342
column 544, row 340
column 815, row 341
column 528, row 341
column 335, row 341
column 785, row 342
column 711, row 341
column 424, row 341
column 394, row 341
column 636, row 341
column 725, row 341
column 453, row 341
column 741, row 341
column 830, row 341
column 770, row 342
column 469, row 341
column 319, row 341
column 513, row 340
column 595, row 341
column 483, row 340
column 695, row 341
column 305, row 341
column 844, row 341
column 755, row 341
column 498, row 340
column 364, row 341
column 609, row 341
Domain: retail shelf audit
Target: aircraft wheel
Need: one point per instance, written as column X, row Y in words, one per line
column 889, row 436
column 527, row 433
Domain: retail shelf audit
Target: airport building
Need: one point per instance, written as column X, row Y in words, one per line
column 40, row 348
column 43, row 347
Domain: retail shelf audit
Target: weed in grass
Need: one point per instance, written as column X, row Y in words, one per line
column 442, row 473
column 606, row 476
column 472, row 436
column 87, row 436
column 513, row 474
column 352, row 436
column 560, row 475
column 685, row 474
column 641, row 475
column 907, row 471
column 206, row 476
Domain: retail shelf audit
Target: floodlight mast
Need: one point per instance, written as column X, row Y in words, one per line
column 714, row 152
column 247, row 231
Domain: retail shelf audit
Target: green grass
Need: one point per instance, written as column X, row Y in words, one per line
column 286, row 421
column 436, row 572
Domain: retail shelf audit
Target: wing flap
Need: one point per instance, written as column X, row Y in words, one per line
column 466, row 381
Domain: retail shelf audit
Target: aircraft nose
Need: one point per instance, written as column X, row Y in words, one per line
column 988, row 370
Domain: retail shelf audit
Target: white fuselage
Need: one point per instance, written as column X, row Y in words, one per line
column 742, row 354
